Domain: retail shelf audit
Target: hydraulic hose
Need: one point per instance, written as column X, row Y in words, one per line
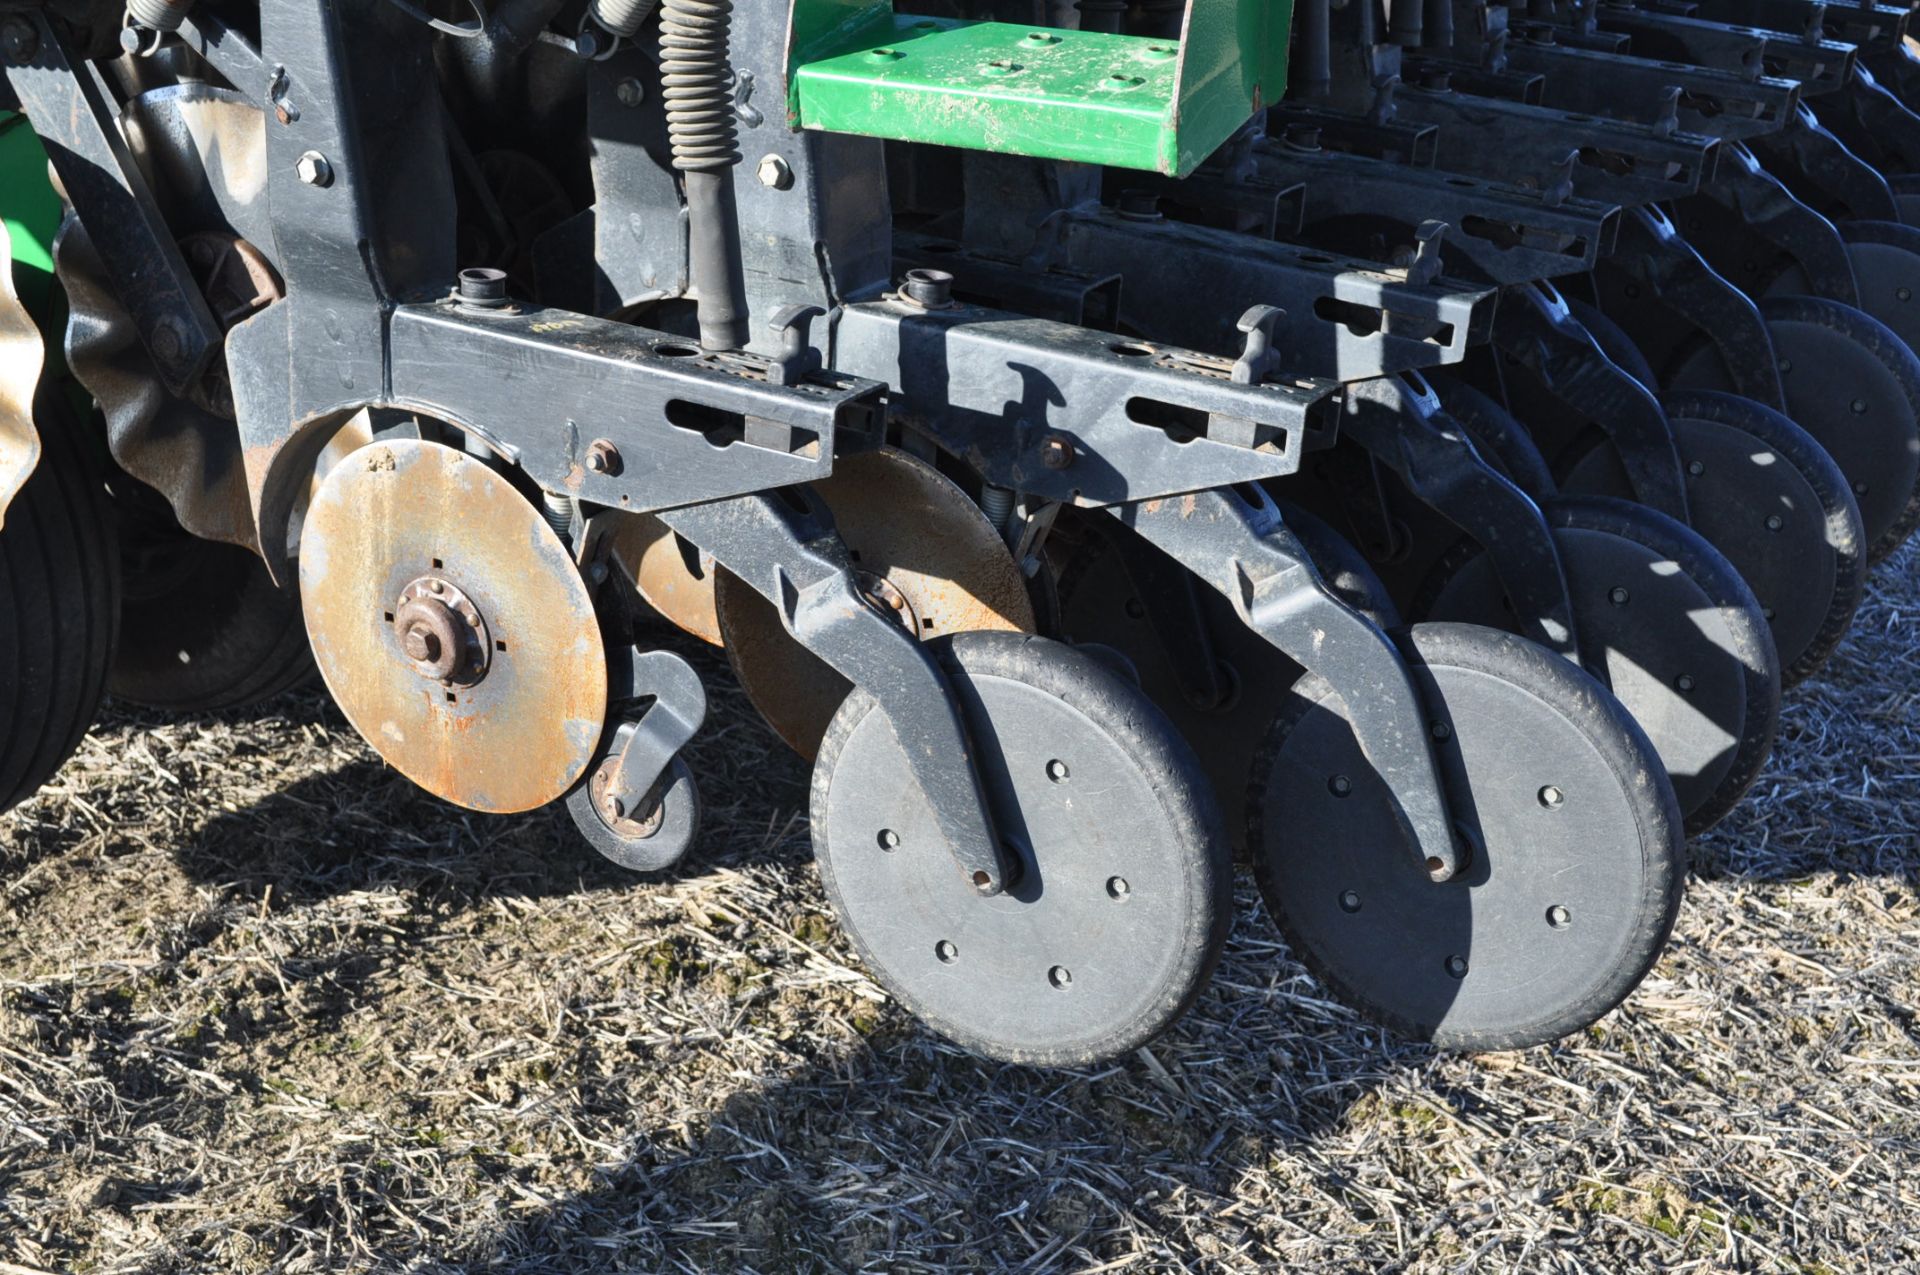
column 698, row 88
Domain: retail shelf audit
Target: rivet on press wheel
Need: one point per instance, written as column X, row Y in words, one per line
column 946, row 952
column 1442, row 731
column 888, row 839
column 1860, row 489
column 1457, row 966
column 1905, row 294
column 1695, row 468
column 1057, row 771
column 1340, row 785
column 1118, row 890
column 1684, row 681
column 1775, row 522
column 1552, row 797
column 1618, row 596
column 1558, row 917
column 1859, row 406
column 1786, row 366
column 1061, row 977
column 1349, row 901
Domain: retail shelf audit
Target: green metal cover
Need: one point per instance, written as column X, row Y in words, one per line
column 30, row 209
column 1124, row 101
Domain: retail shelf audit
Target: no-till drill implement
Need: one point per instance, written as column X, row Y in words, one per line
column 1410, row 444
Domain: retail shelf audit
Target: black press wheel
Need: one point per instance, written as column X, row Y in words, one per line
column 1670, row 626
column 1122, row 898
column 1774, row 503
column 59, row 598
column 1575, row 868
column 203, row 627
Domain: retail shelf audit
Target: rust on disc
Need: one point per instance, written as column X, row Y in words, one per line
column 672, row 576
column 923, row 550
column 510, row 731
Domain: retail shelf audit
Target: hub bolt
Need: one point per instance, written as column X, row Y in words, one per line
column 314, row 169
column 775, row 172
column 604, row 458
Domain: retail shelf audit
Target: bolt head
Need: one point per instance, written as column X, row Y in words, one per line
column 20, row 40
column 774, row 173
column 630, row 92
column 313, row 169
column 1056, row 452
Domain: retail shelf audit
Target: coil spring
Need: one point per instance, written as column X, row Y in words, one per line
column 159, row 15
column 695, row 77
column 622, row 17
column 997, row 504
column 558, row 511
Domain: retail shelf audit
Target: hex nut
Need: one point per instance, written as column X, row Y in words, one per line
column 630, row 92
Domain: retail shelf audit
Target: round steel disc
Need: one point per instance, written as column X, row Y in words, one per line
column 1575, row 869
column 520, row 734
column 1763, row 493
column 671, row 576
column 944, row 567
column 1676, row 633
column 1123, row 896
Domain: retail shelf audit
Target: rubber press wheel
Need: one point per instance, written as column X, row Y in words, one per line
column 1576, row 859
column 59, row 597
column 1774, row 503
column 1671, row 626
column 203, row 626
column 1115, row 915
column 1854, row 386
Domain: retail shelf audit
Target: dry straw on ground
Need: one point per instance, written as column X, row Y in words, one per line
column 263, row 1007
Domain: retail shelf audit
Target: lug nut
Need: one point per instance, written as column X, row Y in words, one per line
column 1056, row 451
column 313, row 169
column 603, row 457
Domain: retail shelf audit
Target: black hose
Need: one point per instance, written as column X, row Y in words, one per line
column 699, row 98
column 1316, row 50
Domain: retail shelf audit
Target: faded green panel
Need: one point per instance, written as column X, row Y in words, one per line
column 1073, row 95
column 1124, row 101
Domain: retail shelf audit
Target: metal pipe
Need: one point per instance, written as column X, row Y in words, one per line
column 1316, row 49
column 1403, row 22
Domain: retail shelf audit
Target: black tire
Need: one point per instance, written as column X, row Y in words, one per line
column 1300, row 834
column 1460, row 590
column 1854, row 386
column 1190, row 845
column 203, row 626
column 59, row 599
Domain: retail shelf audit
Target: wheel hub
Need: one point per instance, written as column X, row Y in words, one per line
column 441, row 632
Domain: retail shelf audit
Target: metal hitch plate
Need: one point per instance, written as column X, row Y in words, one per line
column 490, row 691
column 1574, row 875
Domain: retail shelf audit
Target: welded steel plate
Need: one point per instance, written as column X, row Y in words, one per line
column 1575, row 865
column 1122, row 896
column 516, row 725
column 922, row 549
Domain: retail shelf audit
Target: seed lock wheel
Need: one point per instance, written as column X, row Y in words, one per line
column 922, row 549
column 452, row 626
column 1670, row 625
column 1122, row 898
column 1575, row 866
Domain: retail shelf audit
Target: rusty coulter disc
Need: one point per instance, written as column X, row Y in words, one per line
column 452, row 626
column 925, row 553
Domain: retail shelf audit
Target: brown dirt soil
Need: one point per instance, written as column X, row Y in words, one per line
column 265, row 1007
